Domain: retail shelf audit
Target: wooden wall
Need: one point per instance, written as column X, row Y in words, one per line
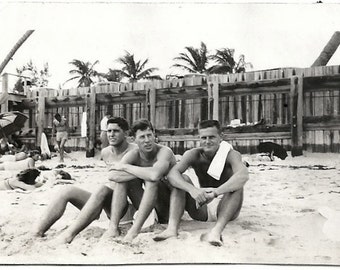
column 263, row 100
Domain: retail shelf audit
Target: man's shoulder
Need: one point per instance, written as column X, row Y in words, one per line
column 194, row 151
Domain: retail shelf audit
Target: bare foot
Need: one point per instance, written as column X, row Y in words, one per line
column 165, row 235
column 215, row 240
column 111, row 233
column 60, row 240
column 129, row 237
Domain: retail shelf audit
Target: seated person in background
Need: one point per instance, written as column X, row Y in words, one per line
column 25, row 180
column 23, row 164
column 219, row 197
column 12, row 158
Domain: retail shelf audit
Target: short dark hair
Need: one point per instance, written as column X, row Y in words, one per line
column 141, row 124
column 32, row 153
column 28, row 176
column 210, row 123
column 120, row 121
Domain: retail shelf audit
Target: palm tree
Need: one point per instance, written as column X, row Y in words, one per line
column 226, row 62
column 133, row 70
column 195, row 60
column 84, row 72
column 14, row 49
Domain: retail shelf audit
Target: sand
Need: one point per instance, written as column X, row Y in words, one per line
column 279, row 222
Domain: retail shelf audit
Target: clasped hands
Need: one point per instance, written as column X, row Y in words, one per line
column 203, row 196
column 115, row 166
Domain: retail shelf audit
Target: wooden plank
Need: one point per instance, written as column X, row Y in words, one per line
column 153, row 101
column 335, row 144
column 237, row 137
column 327, row 138
column 319, row 142
column 309, row 141
column 216, row 97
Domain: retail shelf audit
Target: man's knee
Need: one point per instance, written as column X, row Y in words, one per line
column 102, row 192
column 68, row 192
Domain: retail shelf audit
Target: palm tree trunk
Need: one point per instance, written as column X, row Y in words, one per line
column 328, row 51
column 14, row 49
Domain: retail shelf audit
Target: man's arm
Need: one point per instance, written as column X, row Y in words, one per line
column 176, row 179
column 152, row 174
column 240, row 174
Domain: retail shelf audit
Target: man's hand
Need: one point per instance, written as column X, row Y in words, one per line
column 209, row 194
column 116, row 166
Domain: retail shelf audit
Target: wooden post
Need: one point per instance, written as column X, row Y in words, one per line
column 90, row 108
column 4, row 106
column 152, row 100
column 40, row 118
column 296, row 108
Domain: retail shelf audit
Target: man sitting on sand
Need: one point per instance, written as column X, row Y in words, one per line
column 101, row 199
column 217, row 199
column 150, row 164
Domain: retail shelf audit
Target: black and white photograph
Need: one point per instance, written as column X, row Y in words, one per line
column 170, row 133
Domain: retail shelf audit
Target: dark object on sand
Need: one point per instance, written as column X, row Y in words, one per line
column 28, row 176
column 272, row 149
column 64, row 175
column 11, row 122
column 60, row 166
column 43, row 168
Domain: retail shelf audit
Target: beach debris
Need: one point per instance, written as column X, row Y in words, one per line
column 296, row 167
column 60, row 166
column 43, row 168
column 82, row 167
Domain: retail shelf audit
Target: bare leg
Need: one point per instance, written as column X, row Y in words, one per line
column 177, row 204
column 163, row 203
column 76, row 196
column 146, row 205
column 61, row 149
column 118, row 205
column 178, row 201
column 88, row 213
column 228, row 209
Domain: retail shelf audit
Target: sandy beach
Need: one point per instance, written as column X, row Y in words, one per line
column 279, row 223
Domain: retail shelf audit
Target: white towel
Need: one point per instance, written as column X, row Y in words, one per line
column 84, row 125
column 44, row 145
column 217, row 164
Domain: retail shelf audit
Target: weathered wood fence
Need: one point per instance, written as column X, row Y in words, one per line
column 295, row 107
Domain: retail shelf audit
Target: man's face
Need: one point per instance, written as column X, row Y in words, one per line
column 115, row 134
column 145, row 139
column 210, row 139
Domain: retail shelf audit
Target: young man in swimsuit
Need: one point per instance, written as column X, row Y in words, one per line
column 215, row 200
column 149, row 164
column 100, row 199
column 60, row 125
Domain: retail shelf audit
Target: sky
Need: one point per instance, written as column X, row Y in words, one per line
column 270, row 35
